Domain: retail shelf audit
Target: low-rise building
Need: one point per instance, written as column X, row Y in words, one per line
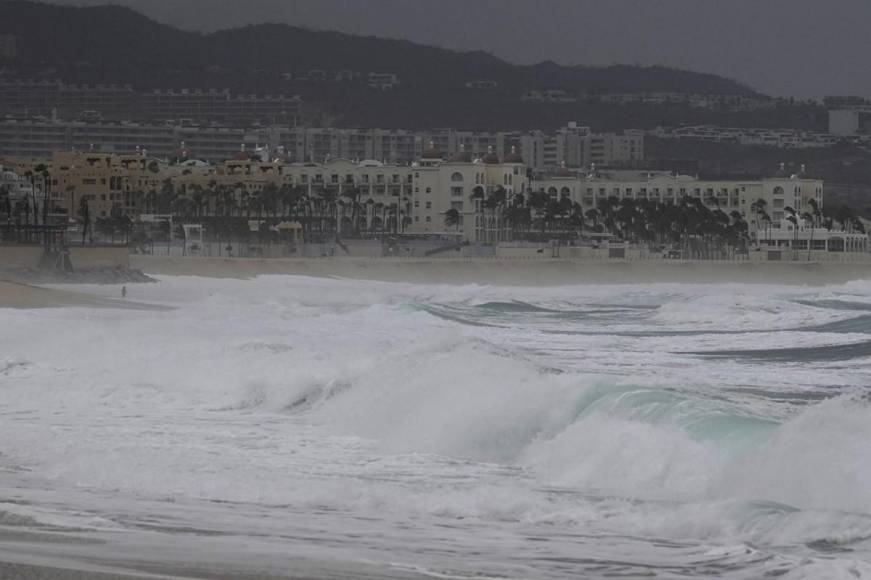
column 771, row 195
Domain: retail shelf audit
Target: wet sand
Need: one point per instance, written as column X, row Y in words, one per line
column 19, row 295
column 39, row 556
column 16, row 571
column 536, row 272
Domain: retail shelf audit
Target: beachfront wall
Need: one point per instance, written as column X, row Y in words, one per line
column 99, row 256
column 801, row 238
column 21, row 256
column 13, row 257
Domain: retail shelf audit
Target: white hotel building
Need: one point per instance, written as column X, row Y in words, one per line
column 777, row 193
column 422, row 193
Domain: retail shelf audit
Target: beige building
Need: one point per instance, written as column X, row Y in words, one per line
column 114, row 185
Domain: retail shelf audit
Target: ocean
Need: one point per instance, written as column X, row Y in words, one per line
column 343, row 428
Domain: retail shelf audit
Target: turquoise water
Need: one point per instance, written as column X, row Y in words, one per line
column 466, row 431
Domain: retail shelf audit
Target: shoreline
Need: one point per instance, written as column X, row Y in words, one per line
column 19, row 295
column 27, row 554
column 511, row 272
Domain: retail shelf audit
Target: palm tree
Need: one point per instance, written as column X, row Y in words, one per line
column 5, row 203
column 813, row 216
column 42, row 170
column 166, row 197
column 71, row 189
column 793, row 219
column 85, row 212
column 452, row 218
column 758, row 207
column 539, row 201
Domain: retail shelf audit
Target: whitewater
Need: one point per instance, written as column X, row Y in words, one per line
column 329, row 427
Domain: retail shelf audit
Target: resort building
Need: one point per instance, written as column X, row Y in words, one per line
column 574, row 146
column 765, row 204
column 461, row 195
column 416, row 196
column 17, row 187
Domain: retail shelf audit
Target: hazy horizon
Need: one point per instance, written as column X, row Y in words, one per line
column 780, row 47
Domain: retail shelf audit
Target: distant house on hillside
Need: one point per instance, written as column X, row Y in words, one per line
column 482, row 85
column 383, row 81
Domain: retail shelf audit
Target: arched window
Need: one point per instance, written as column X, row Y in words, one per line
column 551, row 191
column 778, row 190
column 457, row 176
column 564, row 192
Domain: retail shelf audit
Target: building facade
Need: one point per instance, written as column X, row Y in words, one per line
column 573, row 146
column 749, row 198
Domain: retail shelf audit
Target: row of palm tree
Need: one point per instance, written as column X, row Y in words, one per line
column 539, row 216
column 322, row 215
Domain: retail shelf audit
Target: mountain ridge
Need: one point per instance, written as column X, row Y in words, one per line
column 112, row 38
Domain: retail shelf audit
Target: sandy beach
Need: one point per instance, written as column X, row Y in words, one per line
column 19, row 295
column 513, row 272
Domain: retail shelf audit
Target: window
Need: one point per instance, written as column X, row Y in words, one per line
column 365, row 178
column 429, row 190
column 334, row 178
column 428, row 219
column 416, row 203
column 457, row 176
column 429, row 205
column 456, row 192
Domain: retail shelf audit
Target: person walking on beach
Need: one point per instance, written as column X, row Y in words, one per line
column 123, row 291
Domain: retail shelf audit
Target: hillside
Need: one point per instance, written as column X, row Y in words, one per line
column 133, row 48
column 112, row 44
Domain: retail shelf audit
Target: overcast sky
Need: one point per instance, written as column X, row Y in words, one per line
column 802, row 48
